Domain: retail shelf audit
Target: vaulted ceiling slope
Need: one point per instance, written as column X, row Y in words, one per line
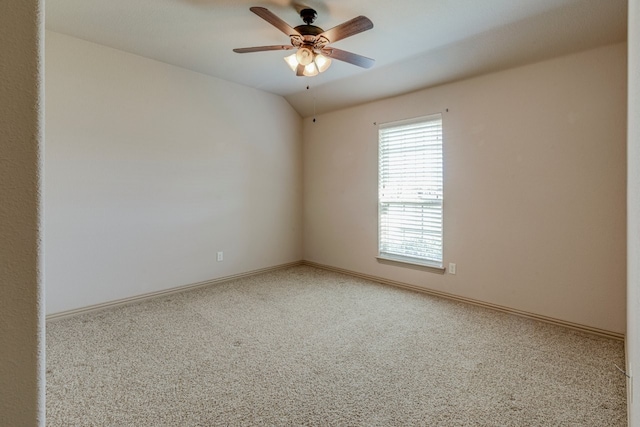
column 416, row 43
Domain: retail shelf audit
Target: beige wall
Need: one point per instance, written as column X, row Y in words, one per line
column 534, row 187
column 22, row 381
column 633, row 232
column 151, row 169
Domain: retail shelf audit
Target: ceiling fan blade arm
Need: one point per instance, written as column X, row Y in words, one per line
column 262, row 48
column 274, row 20
column 351, row 58
column 347, row 29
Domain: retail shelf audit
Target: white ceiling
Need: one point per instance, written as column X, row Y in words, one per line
column 416, row 43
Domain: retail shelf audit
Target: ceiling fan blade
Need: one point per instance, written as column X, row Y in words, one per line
column 351, row 58
column 348, row 29
column 262, row 48
column 274, row 20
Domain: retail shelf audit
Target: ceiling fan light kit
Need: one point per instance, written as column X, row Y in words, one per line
column 318, row 64
column 313, row 54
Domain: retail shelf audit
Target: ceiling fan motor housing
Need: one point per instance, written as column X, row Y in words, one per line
column 309, row 30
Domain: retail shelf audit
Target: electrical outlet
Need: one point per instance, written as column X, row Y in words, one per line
column 220, row 256
column 452, row 268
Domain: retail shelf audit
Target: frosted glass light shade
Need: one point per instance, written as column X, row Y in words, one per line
column 304, row 55
column 310, row 70
column 322, row 62
column 292, row 62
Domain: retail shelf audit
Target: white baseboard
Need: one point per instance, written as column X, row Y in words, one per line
column 570, row 325
column 142, row 297
column 137, row 298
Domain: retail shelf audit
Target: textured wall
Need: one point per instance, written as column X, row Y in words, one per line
column 21, row 135
column 633, row 206
column 534, row 182
column 151, row 169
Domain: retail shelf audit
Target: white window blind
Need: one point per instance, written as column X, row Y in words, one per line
column 410, row 190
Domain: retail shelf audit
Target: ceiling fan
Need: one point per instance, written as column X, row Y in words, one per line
column 313, row 54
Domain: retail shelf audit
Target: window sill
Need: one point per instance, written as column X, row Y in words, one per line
column 408, row 262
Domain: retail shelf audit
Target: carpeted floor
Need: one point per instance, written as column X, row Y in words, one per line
column 304, row 346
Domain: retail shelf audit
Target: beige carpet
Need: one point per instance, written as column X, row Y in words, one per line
column 304, row 346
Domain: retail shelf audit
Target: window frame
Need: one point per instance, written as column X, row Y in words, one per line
column 428, row 264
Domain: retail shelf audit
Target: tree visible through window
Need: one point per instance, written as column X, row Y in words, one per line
column 410, row 190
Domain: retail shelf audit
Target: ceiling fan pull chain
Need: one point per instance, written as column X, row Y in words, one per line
column 314, row 105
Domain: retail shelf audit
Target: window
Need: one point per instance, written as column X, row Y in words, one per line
column 410, row 191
